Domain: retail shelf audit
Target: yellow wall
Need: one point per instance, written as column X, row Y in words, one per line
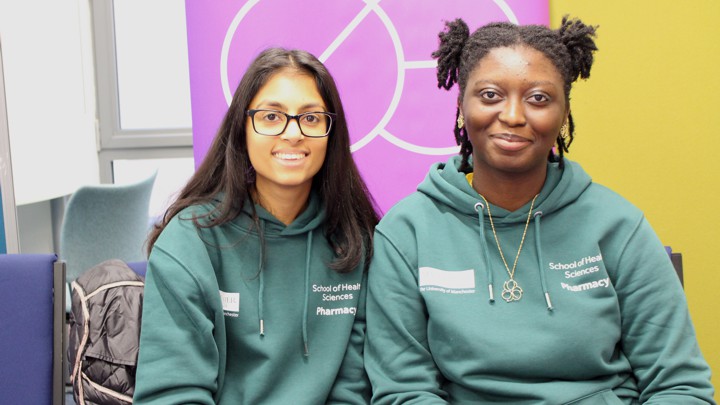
column 648, row 126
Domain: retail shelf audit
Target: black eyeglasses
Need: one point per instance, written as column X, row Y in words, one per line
column 316, row 124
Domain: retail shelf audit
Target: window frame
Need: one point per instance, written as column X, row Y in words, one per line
column 114, row 142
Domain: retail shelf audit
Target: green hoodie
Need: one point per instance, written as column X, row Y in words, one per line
column 602, row 320
column 226, row 322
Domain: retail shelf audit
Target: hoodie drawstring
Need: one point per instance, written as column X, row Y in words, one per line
column 479, row 208
column 307, row 292
column 538, row 248
column 261, row 288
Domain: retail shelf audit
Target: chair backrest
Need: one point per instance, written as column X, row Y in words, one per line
column 32, row 332
column 676, row 259
column 105, row 222
column 677, row 262
column 140, row 268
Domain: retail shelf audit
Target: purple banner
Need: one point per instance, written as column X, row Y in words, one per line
column 377, row 51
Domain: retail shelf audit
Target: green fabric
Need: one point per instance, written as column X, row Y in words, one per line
column 198, row 348
column 619, row 331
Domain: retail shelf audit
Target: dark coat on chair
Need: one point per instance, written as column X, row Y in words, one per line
column 105, row 333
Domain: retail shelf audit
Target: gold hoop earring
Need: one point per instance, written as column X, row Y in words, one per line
column 460, row 121
column 564, row 132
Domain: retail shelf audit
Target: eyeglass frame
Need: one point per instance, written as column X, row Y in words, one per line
column 251, row 113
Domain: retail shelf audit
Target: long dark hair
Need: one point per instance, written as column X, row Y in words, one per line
column 570, row 48
column 350, row 210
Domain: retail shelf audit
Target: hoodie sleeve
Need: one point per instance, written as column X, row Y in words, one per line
column 657, row 334
column 397, row 356
column 352, row 385
column 178, row 358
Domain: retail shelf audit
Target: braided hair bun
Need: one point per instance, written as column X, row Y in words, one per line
column 449, row 53
column 578, row 39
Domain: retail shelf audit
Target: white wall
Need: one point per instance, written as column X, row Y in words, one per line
column 36, row 232
column 8, row 230
column 49, row 86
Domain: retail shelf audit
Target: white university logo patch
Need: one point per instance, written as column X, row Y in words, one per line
column 446, row 281
column 230, row 303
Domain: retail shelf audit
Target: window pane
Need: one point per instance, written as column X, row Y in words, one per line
column 152, row 64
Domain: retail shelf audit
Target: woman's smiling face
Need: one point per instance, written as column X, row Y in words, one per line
column 514, row 105
column 288, row 160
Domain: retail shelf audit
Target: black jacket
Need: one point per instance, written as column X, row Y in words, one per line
column 105, row 333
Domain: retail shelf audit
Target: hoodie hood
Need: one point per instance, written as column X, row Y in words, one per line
column 445, row 184
column 309, row 219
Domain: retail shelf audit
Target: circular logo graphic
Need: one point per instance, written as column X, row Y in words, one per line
column 379, row 54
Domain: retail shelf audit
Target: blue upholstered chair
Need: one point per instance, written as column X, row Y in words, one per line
column 140, row 268
column 32, row 319
column 104, row 222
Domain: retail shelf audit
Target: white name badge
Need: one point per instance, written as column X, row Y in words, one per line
column 230, row 301
column 430, row 277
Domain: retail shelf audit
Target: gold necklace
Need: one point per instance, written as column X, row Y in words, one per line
column 511, row 289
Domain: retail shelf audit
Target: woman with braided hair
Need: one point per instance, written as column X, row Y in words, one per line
column 511, row 277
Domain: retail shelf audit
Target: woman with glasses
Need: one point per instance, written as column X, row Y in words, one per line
column 509, row 276
column 255, row 287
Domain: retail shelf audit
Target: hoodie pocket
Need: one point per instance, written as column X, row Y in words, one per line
column 606, row 397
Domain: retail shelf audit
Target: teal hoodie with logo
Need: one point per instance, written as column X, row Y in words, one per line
column 602, row 318
column 228, row 322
